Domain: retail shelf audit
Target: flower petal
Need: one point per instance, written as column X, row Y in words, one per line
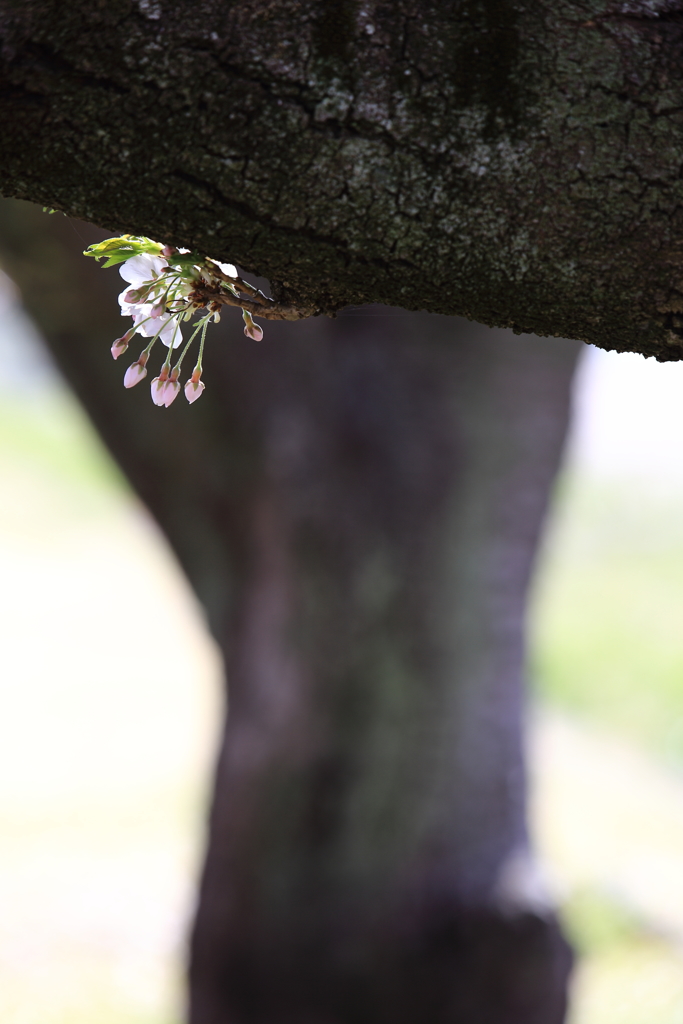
column 171, row 392
column 144, row 267
column 133, row 375
column 253, row 330
column 171, row 334
column 157, row 388
column 147, row 326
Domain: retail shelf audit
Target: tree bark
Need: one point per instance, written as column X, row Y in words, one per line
column 357, row 503
column 518, row 164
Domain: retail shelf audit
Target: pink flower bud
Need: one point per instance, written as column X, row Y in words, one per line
column 122, row 343
column 193, row 390
column 137, row 294
column 168, row 250
column 134, row 374
column 158, row 310
column 253, row 330
column 171, row 392
column 157, row 387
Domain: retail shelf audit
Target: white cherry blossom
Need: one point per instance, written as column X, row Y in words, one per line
column 148, row 326
column 171, row 335
column 163, row 289
column 141, row 269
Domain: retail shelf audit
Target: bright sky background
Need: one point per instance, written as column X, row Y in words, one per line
column 628, row 418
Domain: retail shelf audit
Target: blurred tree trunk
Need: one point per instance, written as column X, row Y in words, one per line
column 357, row 503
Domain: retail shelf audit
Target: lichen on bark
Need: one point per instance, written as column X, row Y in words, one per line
column 516, row 164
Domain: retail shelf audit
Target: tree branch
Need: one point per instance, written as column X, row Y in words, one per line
column 255, row 303
column 516, row 164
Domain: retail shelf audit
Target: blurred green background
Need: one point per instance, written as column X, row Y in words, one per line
column 101, row 823
column 606, row 667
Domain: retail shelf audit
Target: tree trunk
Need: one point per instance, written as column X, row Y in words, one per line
column 515, row 163
column 357, row 502
column 370, row 792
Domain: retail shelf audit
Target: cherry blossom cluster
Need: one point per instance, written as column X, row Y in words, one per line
column 166, row 287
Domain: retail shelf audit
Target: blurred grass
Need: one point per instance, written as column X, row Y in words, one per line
column 596, row 923
column 607, row 613
column 49, row 434
column 628, row 974
column 606, row 647
column 103, row 760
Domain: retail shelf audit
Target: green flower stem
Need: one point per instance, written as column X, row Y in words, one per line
column 146, row 351
column 198, row 368
column 202, row 323
column 167, row 360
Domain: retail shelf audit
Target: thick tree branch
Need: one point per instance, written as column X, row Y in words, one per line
column 252, row 299
column 516, row 163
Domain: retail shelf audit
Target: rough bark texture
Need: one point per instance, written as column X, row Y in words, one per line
column 357, row 503
column 516, row 163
